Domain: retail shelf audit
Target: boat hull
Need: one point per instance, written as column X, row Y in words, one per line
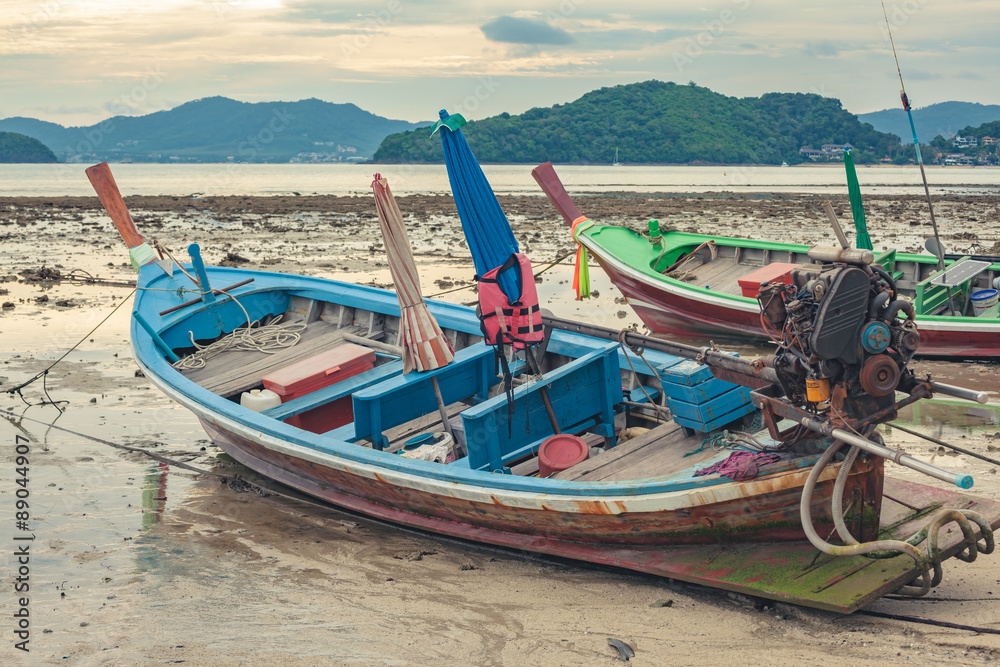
column 789, row 570
column 668, row 308
column 764, row 510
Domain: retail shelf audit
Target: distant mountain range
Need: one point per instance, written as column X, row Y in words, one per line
column 655, row 122
column 218, row 129
column 648, row 122
column 945, row 119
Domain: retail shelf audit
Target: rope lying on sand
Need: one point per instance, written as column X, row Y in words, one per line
column 234, row 482
column 42, row 374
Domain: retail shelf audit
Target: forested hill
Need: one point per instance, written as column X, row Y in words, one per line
column 16, row 147
column 655, row 122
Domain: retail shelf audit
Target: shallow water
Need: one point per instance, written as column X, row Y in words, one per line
column 343, row 179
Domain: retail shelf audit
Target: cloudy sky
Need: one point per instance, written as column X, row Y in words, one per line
column 79, row 61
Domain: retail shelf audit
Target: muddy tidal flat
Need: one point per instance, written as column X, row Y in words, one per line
column 135, row 561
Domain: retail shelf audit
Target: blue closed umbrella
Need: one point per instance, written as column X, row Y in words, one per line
column 487, row 231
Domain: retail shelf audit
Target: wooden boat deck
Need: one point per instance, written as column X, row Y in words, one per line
column 721, row 275
column 235, row 371
column 656, row 453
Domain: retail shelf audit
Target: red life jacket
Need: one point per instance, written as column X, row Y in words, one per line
column 518, row 324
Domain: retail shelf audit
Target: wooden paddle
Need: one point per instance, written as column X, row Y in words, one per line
column 107, row 191
column 550, row 184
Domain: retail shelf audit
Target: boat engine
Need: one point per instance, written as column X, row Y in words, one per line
column 844, row 336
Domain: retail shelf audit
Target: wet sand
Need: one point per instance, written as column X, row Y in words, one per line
column 137, row 563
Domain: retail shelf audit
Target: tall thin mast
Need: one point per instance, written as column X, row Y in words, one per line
column 916, row 143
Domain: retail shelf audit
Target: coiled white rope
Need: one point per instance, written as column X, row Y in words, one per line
column 268, row 338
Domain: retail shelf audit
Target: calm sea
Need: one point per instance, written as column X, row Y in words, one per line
column 344, row 179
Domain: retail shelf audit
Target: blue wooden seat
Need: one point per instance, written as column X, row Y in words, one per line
column 583, row 394
column 400, row 399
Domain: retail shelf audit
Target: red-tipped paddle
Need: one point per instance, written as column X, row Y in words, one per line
column 107, row 191
column 550, row 184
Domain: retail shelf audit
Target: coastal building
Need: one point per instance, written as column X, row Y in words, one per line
column 825, row 152
column 964, row 142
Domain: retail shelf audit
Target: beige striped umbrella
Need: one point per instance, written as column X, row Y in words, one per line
column 424, row 345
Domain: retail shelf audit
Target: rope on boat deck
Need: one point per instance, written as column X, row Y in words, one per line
column 713, row 255
column 267, row 338
column 660, row 410
column 731, row 440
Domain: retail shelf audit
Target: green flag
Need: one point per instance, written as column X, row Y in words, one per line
column 863, row 242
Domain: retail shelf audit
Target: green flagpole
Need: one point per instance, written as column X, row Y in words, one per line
column 863, row 241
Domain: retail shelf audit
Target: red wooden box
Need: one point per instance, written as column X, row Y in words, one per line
column 322, row 370
column 777, row 272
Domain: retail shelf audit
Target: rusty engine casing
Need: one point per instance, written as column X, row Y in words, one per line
column 842, row 347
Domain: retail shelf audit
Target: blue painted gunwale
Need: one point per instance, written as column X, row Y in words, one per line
column 157, row 292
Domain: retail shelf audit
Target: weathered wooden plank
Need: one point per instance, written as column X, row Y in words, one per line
column 729, row 282
column 707, row 273
column 529, row 467
column 235, row 371
column 688, row 372
column 668, row 460
column 664, row 445
column 430, row 422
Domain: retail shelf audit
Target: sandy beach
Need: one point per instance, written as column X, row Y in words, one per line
column 138, row 563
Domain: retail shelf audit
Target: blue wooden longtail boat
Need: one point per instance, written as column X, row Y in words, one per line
column 634, row 503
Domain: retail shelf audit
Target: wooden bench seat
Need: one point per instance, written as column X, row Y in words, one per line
column 402, row 398
column 583, row 394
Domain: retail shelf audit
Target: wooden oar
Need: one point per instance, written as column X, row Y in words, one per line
column 550, row 184
column 107, row 191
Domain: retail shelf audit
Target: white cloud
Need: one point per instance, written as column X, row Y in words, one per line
column 395, row 57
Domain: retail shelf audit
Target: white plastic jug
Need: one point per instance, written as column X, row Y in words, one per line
column 259, row 400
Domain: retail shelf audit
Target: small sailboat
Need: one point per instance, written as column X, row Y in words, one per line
column 616, row 163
